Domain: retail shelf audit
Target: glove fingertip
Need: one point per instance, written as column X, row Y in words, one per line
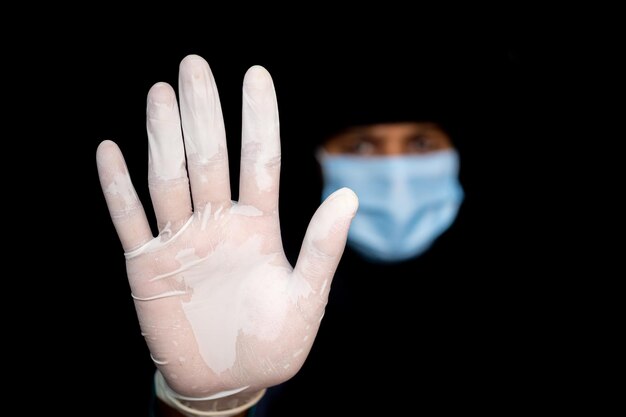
column 344, row 199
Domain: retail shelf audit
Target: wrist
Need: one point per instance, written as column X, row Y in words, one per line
column 226, row 404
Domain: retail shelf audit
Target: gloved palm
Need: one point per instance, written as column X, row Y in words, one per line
column 220, row 306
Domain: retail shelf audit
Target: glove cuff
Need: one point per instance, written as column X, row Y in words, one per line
column 223, row 406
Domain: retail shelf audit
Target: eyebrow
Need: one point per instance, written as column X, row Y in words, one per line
column 360, row 135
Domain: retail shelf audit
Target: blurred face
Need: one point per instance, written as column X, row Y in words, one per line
column 389, row 139
column 406, row 178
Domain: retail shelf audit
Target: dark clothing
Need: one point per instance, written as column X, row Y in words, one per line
column 401, row 337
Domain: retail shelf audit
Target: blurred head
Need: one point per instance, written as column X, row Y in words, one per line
column 406, row 177
column 390, row 132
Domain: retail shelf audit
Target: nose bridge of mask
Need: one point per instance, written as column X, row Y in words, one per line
column 398, row 175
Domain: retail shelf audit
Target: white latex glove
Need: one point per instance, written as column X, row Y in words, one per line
column 221, row 308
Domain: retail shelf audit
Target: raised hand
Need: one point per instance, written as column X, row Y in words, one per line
column 220, row 307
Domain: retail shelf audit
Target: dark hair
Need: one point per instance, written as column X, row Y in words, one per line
column 358, row 102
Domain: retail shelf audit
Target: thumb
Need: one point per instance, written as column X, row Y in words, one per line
column 325, row 240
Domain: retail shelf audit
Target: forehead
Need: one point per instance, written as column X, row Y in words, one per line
column 396, row 129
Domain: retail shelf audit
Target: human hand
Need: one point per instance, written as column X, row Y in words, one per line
column 219, row 305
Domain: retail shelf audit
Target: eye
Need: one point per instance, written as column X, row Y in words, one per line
column 365, row 148
column 421, row 144
column 361, row 146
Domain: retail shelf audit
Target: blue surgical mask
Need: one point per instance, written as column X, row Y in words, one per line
column 405, row 202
